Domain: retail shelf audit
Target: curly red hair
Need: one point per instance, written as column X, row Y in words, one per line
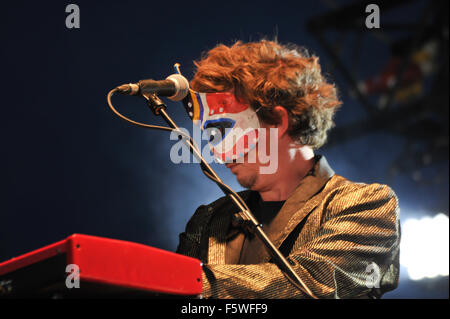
column 267, row 74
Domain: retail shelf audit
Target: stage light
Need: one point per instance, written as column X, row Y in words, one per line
column 424, row 247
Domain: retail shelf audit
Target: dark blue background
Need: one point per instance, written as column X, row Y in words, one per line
column 70, row 166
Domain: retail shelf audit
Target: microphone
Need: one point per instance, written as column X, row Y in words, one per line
column 175, row 87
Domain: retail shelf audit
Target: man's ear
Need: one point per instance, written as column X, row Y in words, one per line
column 283, row 118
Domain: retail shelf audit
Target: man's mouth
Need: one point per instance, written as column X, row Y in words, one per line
column 231, row 165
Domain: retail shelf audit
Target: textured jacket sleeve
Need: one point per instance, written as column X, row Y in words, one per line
column 190, row 240
column 353, row 254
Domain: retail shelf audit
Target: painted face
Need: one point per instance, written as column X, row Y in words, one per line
column 232, row 127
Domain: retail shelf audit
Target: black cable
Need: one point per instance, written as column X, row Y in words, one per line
column 143, row 125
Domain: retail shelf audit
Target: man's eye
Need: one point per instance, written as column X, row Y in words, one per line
column 214, row 134
column 217, row 130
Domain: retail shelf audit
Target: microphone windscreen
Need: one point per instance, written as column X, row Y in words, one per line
column 181, row 85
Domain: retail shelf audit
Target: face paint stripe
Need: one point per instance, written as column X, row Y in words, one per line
column 205, row 108
column 201, row 107
column 197, row 107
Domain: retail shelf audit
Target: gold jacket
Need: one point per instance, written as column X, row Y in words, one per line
column 341, row 237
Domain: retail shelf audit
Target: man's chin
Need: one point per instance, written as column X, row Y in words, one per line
column 247, row 181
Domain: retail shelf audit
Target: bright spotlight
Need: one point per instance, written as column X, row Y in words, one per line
column 424, row 247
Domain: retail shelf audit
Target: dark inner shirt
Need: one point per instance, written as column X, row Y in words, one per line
column 264, row 213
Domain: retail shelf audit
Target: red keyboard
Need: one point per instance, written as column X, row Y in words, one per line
column 88, row 266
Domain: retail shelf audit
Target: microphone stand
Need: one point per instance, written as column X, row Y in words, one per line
column 159, row 108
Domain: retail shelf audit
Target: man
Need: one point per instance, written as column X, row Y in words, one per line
column 341, row 238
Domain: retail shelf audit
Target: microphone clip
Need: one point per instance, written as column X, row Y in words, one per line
column 155, row 103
